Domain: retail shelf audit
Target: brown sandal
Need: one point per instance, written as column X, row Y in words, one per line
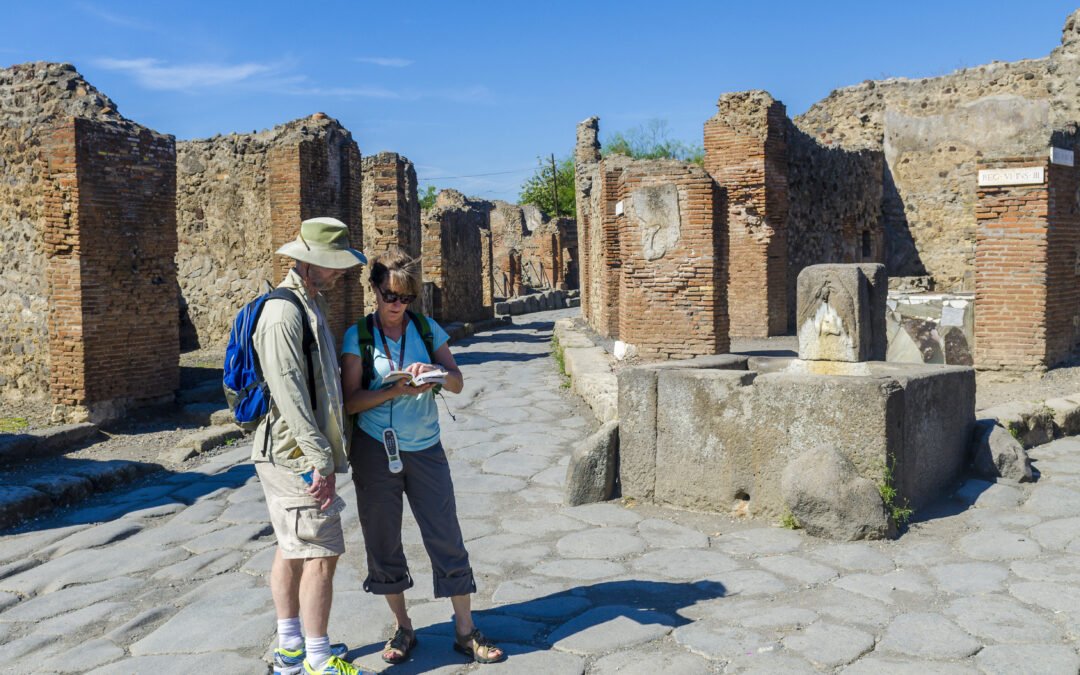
column 478, row 647
column 398, row 647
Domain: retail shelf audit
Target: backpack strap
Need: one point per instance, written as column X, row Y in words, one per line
column 365, row 336
column 423, row 326
column 308, row 342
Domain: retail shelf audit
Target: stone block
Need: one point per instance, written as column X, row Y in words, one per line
column 502, row 308
column 996, row 454
column 830, row 499
column 1066, row 414
column 517, row 307
column 573, row 302
column 19, row 503
column 1030, row 423
column 201, row 441
column 532, row 304
column 590, row 475
column 841, row 313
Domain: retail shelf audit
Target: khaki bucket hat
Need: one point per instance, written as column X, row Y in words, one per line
column 324, row 242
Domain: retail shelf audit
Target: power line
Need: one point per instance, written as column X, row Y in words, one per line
column 478, row 175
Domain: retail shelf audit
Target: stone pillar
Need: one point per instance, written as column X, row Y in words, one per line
column 586, row 162
column 746, row 154
column 110, row 243
column 841, row 312
column 391, row 208
column 1027, row 260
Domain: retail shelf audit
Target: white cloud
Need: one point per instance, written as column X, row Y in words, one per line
column 113, row 18
column 154, row 74
column 386, row 61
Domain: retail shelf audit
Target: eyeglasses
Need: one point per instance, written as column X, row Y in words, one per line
column 390, row 297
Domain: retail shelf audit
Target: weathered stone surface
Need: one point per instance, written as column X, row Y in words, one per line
column 996, row 454
column 1031, row 423
column 608, row 628
column 664, row 534
column 998, row 545
column 926, row 635
column 75, row 597
column 970, row 578
column 830, row 645
column 841, row 313
column 99, row 535
column 607, row 542
column 1066, row 414
column 1010, row 659
column 18, row 502
column 716, row 641
column 201, row 441
column 590, row 476
column 830, row 499
column 998, row 619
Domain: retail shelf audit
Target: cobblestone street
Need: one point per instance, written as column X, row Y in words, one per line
column 170, row 577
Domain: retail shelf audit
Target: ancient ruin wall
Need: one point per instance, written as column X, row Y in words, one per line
column 834, row 213
column 233, row 191
column 540, row 245
column 455, row 242
column 672, row 294
column 746, row 154
column 933, row 132
column 33, row 97
column 391, row 208
column 586, row 189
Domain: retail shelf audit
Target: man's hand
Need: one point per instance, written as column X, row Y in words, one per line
column 323, row 489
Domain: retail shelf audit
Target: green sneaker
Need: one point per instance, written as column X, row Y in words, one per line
column 335, row 666
column 291, row 661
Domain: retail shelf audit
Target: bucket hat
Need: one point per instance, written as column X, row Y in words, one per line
column 324, row 242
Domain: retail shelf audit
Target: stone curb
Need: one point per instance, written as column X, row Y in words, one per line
column 538, row 302
column 19, row 503
column 48, row 441
column 589, row 370
column 199, row 442
column 459, row 330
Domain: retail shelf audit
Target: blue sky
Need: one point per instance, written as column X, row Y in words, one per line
column 467, row 88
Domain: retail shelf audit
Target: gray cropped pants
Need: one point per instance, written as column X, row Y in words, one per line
column 426, row 481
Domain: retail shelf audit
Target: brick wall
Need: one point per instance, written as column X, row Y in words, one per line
column 537, row 242
column 1011, row 284
column 110, row 241
column 746, row 154
column 391, row 208
column 672, row 299
column 1063, row 264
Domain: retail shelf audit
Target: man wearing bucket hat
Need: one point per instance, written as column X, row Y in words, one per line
column 300, row 446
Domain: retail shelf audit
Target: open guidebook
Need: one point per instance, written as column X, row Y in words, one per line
column 430, row 376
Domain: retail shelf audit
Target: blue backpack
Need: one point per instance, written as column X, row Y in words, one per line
column 245, row 389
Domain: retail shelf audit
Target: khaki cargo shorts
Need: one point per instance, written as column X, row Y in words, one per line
column 302, row 530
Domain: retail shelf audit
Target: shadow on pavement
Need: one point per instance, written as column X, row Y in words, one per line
column 536, row 625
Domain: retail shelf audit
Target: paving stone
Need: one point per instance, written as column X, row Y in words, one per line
column 73, row 623
column 201, row 491
column 508, row 549
column 201, row 566
column 970, row 578
column 1051, row 501
column 584, row 570
column 716, row 641
column 516, row 464
column 158, row 509
column 547, row 609
column 1054, row 597
column 607, row 542
column 12, row 568
column 11, row 650
column 1035, row 658
column 475, row 505
column 998, row 545
column 1002, row 519
column 882, row 587
column 1057, row 534
column 873, row 664
column 229, row 538
column 984, row 494
column 489, row 484
column 542, row 524
column 678, row 564
column 1001, row 619
column 99, row 535
column 83, row 657
column 917, row 552
column 769, row 662
column 541, row 495
column 526, row 589
column 664, row 534
column 553, row 477
column 1062, row 569
column 665, row 660
column 803, row 570
column 927, row 635
column 760, row 541
column 200, row 513
column 251, row 492
column 22, row 546
column 528, row 660
column 608, row 628
column 854, row 557
column 74, row 597
column 171, row 534
column 751, row 613
column 7, row 600
column 259, row 564
column 749, row 582
column 184, row 664
column 830, row 645
column 140, row 624
column 80, row 567
column 146, row 494
column 608, row 515
column 246, row 512
column 844, row 606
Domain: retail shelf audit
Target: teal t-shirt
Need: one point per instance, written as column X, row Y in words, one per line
column 415, row 418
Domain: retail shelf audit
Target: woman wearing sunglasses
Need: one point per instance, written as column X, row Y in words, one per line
column 396, row 451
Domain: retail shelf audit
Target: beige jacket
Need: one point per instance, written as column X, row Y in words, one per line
column 300, row 439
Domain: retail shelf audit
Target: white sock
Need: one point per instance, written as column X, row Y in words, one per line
column 288, row 632
column 318, row 651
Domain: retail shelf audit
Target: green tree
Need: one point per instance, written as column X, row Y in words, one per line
column 536, row 189
column 427, row 196
column 652, row 140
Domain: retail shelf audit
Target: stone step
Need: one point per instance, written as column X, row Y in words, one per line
column 44, row 442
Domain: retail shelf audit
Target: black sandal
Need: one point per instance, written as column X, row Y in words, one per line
column 478, row 647
column 402, row 643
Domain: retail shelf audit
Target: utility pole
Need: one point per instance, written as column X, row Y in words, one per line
column 555, row 185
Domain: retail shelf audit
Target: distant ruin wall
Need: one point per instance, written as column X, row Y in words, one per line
column 542, row 246
column 233, row 191
column 455, row 242
column 391, row 208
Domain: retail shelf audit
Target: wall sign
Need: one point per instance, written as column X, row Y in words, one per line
column 1024, row 175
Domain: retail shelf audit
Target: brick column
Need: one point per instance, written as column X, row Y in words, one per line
column 746, row 154
column 391, row 208
column 1014, row 269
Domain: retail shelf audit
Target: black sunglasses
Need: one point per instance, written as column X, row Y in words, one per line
column 390, row 297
